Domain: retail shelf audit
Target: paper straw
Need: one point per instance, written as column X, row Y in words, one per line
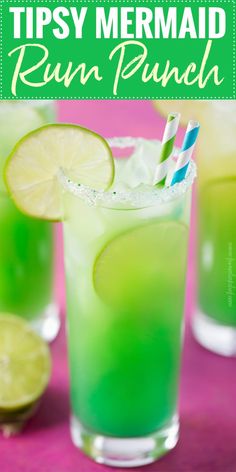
column 167, row 148
column 185, row 152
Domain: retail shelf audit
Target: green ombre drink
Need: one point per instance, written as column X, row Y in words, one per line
column 125, row 247
column 124, row 327
column 26, row 244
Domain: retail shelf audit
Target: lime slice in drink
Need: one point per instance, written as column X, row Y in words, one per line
column 140, row 266
column 25, row 365
column 32, row 169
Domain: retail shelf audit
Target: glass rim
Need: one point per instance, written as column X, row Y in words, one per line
column 134, row 198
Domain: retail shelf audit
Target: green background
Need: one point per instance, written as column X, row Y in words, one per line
column 96, row 51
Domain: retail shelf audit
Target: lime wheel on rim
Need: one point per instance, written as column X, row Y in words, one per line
column 32, row 169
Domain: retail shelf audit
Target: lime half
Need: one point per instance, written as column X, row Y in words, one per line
column 25, row 364
column 32, row 169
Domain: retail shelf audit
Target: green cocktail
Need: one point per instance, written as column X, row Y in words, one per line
column 125, row 258
column 215, row 320
column 26, row 244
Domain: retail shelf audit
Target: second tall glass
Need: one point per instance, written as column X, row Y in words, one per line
column 26, row 244
column 214, row 322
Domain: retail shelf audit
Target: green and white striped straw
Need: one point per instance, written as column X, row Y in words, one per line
column 168, row 141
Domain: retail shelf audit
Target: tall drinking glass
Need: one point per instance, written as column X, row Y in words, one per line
column 125, row 259
column 26, row 244
column 214, row 322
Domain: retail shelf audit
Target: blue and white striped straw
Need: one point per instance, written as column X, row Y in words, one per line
column 185, row 152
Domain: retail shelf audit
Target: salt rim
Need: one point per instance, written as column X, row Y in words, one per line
column 133, row 198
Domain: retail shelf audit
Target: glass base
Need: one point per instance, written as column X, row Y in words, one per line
column 214, row 336
column 48, row 324
column 125, row 452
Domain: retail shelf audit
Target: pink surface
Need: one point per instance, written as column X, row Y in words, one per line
column 208, row 386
